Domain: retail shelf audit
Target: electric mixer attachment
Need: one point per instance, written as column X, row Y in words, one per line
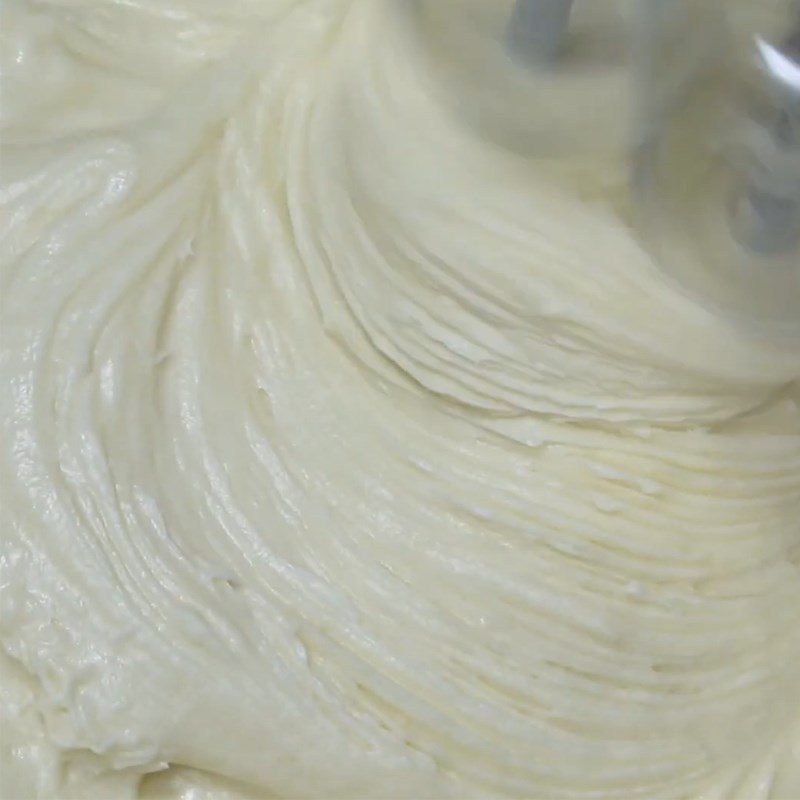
column 768, row 212
column 767, row 215
column 707, row 124
column 718, row 175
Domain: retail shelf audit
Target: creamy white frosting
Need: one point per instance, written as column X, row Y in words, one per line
column 349, row 452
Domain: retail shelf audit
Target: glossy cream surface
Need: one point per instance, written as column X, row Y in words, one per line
column 350, row 451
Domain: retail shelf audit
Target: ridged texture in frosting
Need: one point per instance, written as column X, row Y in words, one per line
column 349, row 455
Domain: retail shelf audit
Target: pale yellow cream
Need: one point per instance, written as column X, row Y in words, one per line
column 349, row 452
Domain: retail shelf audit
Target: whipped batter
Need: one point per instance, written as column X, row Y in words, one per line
column 349, row 452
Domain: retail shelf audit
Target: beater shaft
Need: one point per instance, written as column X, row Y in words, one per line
column 538, row 28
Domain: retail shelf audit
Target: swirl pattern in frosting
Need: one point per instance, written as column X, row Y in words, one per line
column 349, row 454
